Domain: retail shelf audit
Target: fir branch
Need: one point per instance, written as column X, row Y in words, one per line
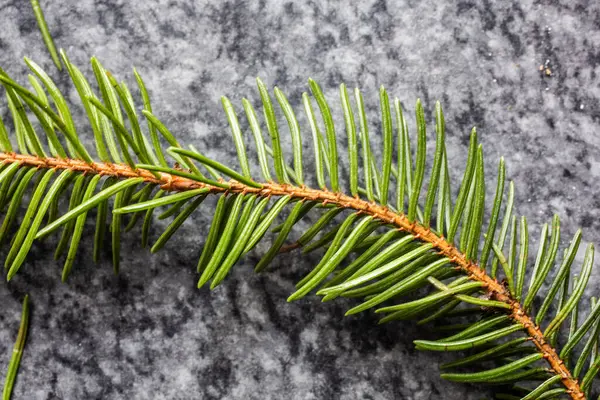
column 169, row 182
column 401, row 248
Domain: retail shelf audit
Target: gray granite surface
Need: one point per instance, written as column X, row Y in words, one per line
column 149, row 333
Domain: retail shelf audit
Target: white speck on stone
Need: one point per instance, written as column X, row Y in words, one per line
column 581, row 106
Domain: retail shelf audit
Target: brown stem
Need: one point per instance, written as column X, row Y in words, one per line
column 175, row 183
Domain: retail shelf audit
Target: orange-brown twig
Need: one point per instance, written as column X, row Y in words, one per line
column 474, row 272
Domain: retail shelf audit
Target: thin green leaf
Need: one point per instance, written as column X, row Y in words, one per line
column 143, row 149
column 283, row 234
column 523, row 254
column 316, row 137
column 306, row 208
column 465, row 187
column 318, row 226
column 17, row 123
column 505, row 222
column 84, row 90
column 148, row 219
column 432, row 299
column 237, row 135
column 78, row 230
column 419, row 162
column 102, row 211
column 571, row 303
column 403, row 286
column 561, row 275
column 382, row 257
column 330, row 133
column 266, row 221
column 526, row 374
column 176, row 223
column 434, row 181
column 258, row 138
column 242, row 238
column 60, row 102
column 140, row 196
column 36, row 198
column 294, row 132
column 506, row 267
column 213, row 234
column 483, row 302
column 37, row 221
column 382, row 270
column 478, row 208
column 121, row 131
column 176, row 172
column 48, row 41
column 365, row 144
column 402, row 163
column 69, row 132
column 33, row 140
column 540, row 271
column 7, row 174
column 271, row 120
column 481, row 326
column 216, row 165
column 590, row 345
column 441, row 312
column 115, row 230
column 74, row 201
column 486, row 354
column 334, row 256
column 148, row 107
column 17, row 353
column 351, row 135
column 468, row 216
column 5, row 144
column 591, row 320
column 388, row 145
column 91, row 203
column 16, row 198
column 162, row 201
column 362, row 259
column 225, row 238
column 552, row 394
column 467, row 343
column 170, row 139
column 389, row 281
column 493, row 373
column 54, row 144
column 592, row 372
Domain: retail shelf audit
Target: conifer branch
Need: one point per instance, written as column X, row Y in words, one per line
column 400, row 246
column 169, row 182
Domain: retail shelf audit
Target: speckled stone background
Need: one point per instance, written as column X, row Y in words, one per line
column 149, row 333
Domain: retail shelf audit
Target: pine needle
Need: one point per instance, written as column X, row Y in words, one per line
column 17, row 353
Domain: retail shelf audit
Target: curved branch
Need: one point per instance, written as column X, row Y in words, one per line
column 175, row 183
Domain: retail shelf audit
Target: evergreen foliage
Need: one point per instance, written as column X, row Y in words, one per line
column 389, row 229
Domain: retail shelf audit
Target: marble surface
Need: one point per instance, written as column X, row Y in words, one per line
column 149, row 333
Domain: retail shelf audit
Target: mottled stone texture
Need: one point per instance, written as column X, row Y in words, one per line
column 149, row 333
